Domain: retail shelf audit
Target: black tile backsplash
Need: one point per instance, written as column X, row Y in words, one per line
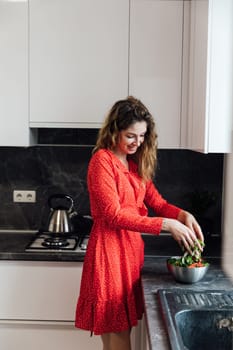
column 193, row 181
column 47, row 170
column 188, row 179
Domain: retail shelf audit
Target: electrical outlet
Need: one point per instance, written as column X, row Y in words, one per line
column 22, row 196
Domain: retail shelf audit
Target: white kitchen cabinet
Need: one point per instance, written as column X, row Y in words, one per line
column 78, row 60
column 45, row 335
column 14, row 129
column 39, row 290
column 155, row 74
column 37, row 307
column 210, row 107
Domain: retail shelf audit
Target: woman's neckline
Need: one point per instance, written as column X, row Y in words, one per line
column 123, row 162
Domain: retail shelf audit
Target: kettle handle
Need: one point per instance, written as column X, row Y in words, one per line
column 62, row 196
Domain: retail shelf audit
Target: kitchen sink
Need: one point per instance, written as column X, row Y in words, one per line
column 210, row 329
column 198, row 319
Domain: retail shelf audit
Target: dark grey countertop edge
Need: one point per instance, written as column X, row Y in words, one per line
column 69, row 257
column 155, row 276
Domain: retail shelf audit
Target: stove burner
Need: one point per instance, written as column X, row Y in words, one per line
column 55, row 242
column 45, row 241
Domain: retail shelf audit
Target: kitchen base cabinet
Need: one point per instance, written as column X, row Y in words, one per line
column 37, row 335
column 37, row 307
column 44, row 335
column 31, row 290
column 55, row 336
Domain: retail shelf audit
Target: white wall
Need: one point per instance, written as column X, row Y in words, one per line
column 227, row 250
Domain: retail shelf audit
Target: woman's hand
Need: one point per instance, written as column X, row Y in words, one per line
column 185, row 230
column 189, row 220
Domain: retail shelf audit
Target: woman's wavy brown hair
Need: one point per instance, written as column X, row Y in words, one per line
column 122, row 115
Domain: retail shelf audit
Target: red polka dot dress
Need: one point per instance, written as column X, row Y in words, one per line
column 110, row 297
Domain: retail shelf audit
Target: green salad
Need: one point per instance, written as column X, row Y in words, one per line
column 190, row 260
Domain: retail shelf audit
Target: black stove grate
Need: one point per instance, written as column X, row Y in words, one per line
column 51, row 242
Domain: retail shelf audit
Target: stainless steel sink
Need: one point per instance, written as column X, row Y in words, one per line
column 198, row 319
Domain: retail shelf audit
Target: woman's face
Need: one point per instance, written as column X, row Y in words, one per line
column 131, row 138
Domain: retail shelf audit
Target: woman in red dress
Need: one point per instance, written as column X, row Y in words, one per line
column 120, row 186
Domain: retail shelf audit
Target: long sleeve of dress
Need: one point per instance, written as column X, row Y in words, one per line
column 161, row 207
column 118, row 199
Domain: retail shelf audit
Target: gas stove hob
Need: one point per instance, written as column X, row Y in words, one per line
column 49, row 242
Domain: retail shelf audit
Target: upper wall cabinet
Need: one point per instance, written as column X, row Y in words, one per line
column 14, row 129
column 78, row 60
column 155, row 76
column 210, row 111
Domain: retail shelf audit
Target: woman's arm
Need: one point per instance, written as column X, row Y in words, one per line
column 161, row 207
column 181, row 224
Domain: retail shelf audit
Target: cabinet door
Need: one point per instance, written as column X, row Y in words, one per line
column 39, row 290
column 47, row 336
column 14, row 129
column 211, row 78
column 37, row 306
column 156, row 63
column 78, row 60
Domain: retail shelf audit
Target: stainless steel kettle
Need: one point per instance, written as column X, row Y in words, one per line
column 61, row 206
